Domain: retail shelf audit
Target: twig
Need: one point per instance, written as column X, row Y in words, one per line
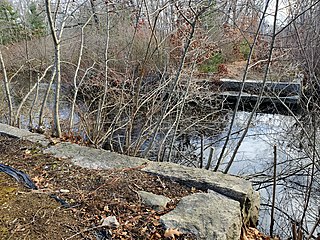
column 83, row 231
column 162, row 184
column 274, row 188
column 210, row 158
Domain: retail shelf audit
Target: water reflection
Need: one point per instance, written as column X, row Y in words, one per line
column 256, row 151
column 255, row 159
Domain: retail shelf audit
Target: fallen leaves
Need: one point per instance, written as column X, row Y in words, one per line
column 172, row 233
column 250, row 233
column 38, row 180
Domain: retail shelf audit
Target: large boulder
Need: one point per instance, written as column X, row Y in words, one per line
column 230, row 186
column 93, row 158
column 207, row 216
column 23, row 134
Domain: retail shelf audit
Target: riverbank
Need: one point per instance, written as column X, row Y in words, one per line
column 98, row 194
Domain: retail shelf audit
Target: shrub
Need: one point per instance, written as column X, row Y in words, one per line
column 244, row 49
column 211, row 65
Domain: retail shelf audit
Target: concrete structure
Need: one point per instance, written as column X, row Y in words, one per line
column 277, row 96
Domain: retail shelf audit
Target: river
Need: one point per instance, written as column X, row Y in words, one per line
column 255, row 159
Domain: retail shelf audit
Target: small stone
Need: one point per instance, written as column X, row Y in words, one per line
column 156, row 202
column 46, row 167
column 110, row 222
column 64, row 190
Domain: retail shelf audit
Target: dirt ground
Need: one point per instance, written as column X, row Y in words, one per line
column 93, row 195
column 236, row 69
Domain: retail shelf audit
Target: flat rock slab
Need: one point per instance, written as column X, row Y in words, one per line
column 23, row 134
column 94, row 158
column 156, row 202
column 206, row 215
column 230, row 186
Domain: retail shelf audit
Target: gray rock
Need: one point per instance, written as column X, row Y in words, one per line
column 23, row 134
column 156, row 202
column 206, row 215
column 110, row 222
column 254, row 211
column 94, row 158
column 233, row 187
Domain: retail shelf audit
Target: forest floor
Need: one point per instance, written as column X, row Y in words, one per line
column 92, row 194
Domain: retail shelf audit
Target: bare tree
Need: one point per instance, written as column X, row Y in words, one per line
column 56, row 36
column 6, row 84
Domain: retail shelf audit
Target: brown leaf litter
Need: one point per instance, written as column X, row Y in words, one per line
column 94, row 195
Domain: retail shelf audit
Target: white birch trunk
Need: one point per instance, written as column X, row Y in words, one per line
column 6, row 84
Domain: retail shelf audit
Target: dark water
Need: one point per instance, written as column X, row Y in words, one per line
column 254, row 161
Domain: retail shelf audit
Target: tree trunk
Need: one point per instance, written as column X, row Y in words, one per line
column 56, row 131
column 7, row 90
